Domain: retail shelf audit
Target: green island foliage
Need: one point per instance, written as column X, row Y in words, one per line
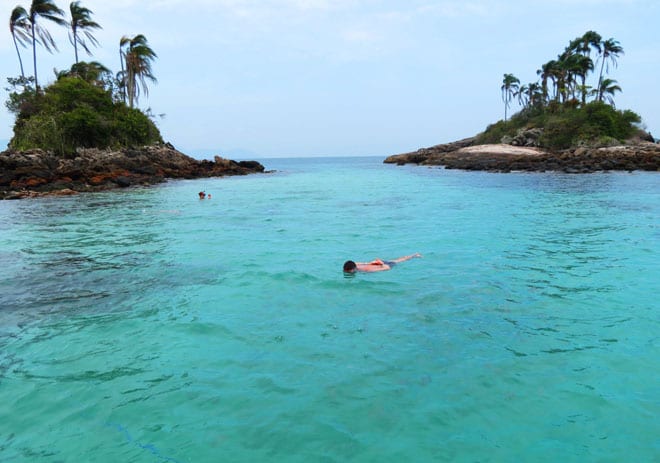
column 565, row 126
column 87, row 106
column 73, row 113
column 569, row 111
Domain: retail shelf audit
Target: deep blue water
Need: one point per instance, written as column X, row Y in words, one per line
column 146, row 325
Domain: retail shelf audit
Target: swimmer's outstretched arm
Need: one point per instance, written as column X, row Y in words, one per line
column 405, row 258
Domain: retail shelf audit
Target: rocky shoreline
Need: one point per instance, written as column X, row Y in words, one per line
column 37, row 173
column 466, row 155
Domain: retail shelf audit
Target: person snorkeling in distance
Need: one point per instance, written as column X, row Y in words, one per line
column 202, row 195
column 376, row 265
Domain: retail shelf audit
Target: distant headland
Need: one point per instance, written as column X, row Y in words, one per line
column 564, row 124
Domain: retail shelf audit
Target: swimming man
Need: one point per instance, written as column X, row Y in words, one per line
column 376, row 265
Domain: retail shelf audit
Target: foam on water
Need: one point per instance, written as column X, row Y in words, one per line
column 147, row 325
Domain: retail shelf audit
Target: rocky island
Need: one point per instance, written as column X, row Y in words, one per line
column 84, row 131
column 564, row 124
column 37, row 172
column 469, row 154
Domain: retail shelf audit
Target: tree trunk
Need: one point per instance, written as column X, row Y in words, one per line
column 20, row 61
column 600, row 80
column 75, row 44
column 34, row 59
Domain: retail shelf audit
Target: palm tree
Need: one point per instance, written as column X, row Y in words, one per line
column 534, row 95
column 19, row 27
column 549, row 70
column 584, row 65
column 611, row 49
column 93, row 72
column 136, row 57
column 529, row 95
column 589, row 40
column 564, row 76
column 510, row 86
column 45, row 9
column 576, row 65
column 523, row 95
column 120, row 83
column 81, row 22
column 607, row 89
column 121, row 75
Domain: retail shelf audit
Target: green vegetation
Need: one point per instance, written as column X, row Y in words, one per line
column 559, row 103
column 87, row 106
column 596, row 123
column 74, row 113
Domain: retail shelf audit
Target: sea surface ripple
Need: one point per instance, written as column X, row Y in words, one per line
column 145, row 325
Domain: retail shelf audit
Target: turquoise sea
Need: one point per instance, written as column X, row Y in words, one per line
column 145, row 325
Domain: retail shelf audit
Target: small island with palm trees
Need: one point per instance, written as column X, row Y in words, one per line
column 83, row 132
column 564, row 124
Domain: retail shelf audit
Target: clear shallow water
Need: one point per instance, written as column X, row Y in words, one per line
column 149, row 326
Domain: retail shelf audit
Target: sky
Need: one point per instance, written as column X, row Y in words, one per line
column 293, row 78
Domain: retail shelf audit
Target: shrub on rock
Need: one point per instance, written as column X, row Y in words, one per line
column 72, row 113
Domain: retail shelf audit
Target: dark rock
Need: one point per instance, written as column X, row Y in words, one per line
column 252, row 165
column 123, row 181
column 526, row 137
column 35, row 172
column 145, row 170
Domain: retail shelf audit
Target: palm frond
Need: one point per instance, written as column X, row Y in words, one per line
column 19, row 26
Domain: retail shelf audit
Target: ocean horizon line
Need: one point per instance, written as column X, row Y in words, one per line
column 197, row 154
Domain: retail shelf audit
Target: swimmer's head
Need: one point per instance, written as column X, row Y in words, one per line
column 350, row 267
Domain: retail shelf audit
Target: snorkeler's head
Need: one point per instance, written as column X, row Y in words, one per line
column 350, row 266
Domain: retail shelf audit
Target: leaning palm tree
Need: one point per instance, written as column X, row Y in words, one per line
column 44, row 9
column 510, row 86
column 19, row 26
column 137, row 57
column 607, row 89
column 611, row 49
column 81, row 23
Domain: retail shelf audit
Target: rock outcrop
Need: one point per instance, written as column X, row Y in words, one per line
column 36, row 173
column 639, row 155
